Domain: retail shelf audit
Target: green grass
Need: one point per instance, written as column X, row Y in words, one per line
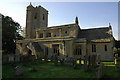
column 111, row 72
column 48, row 70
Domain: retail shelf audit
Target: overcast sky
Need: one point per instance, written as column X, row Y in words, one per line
column 90, row 14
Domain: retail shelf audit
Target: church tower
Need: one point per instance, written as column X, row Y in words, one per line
column 36, row 17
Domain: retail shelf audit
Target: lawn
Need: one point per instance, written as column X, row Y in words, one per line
column 111, row 72
column 50, row 70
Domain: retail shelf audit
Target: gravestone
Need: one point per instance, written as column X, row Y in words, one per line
column 56, row 59
column 40, row 59
column 52, row 58
column 100, row 72
column 92, row 61
column 86, row 63
column 117, row 62
column 19, row 70
column 11, row 58
column 17, row 58
column 69, row 62
column 85, row 66
column 46, row 59
column 61, row 61
column 74, row 64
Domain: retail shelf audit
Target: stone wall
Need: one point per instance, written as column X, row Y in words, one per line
column 100, row 50
column 58, row 31
column 67, row 48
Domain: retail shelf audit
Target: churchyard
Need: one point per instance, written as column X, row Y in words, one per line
column 62, row 68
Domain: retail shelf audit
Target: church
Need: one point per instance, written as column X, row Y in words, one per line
column 63, row 40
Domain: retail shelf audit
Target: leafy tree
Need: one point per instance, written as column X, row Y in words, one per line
column 10, row 33
column 117, row 51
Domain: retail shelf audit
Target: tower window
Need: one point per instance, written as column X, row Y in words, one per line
column 35, row 17
column 105, row 47
column 43, row 17
column 93, row 48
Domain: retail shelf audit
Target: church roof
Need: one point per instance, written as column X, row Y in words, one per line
column 57, row 27
column 103, row 34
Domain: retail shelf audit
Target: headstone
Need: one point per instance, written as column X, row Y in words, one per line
column 117, row 62
column 74, row 64
column 61, row 61
column 5, row 59
column 40, row 59
column 19, row 70
column 85, row 66
column 92, row 61
column 17, row 58
column 56, row 59
column 11, row 58
column 99, row 73
column 52, row 58
column 86, row 63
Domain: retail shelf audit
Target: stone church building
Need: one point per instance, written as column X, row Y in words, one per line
column 63, row 40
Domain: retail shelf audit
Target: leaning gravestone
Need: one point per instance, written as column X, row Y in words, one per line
column 19, row 70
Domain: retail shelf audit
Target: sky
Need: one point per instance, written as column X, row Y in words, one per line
column 90, row 14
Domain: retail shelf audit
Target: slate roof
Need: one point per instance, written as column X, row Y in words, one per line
column 103, row 34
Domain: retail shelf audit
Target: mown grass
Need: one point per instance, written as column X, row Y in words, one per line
column 111, row 72
column 48, row 70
